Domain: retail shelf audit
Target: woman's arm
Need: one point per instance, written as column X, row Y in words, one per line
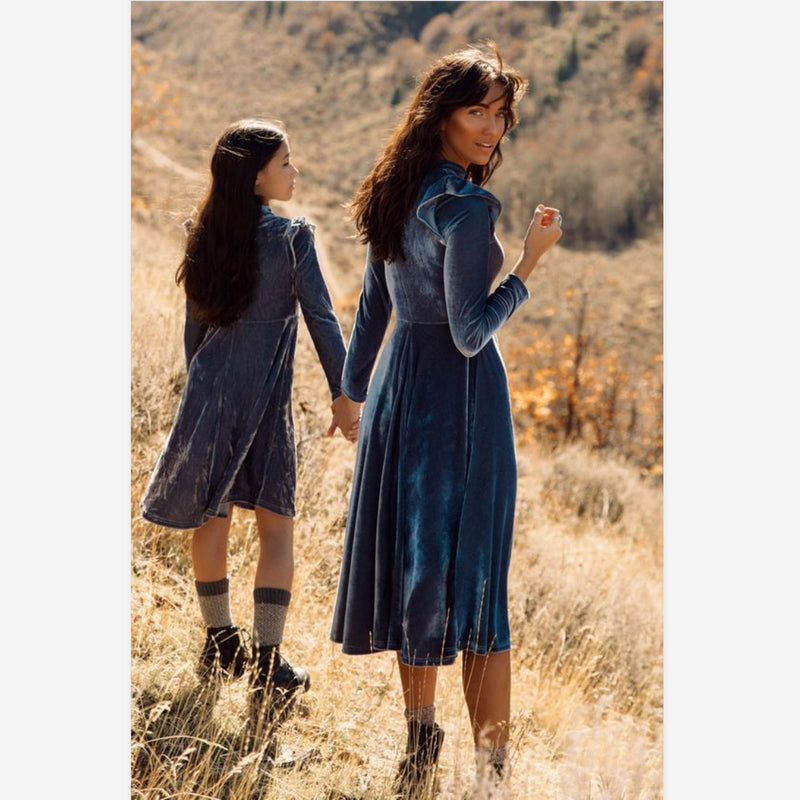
column 473, row 313
column 369, row 327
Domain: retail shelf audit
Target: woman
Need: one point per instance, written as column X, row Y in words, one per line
column 244, row 271
column 428, row 538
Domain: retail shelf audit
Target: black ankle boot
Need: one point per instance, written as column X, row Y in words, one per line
column 418, row 765
column 271, row 670
column 224, row 654
column 275, row 684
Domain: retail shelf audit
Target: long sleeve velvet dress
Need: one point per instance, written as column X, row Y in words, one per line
column 428, row 537
column 232, row 440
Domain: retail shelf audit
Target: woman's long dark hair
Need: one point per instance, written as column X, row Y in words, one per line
column 386, row 196
column 218, row 270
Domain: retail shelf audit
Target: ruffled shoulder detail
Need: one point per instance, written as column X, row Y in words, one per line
column 300, row 224
column 452, row 185
column 288, row 227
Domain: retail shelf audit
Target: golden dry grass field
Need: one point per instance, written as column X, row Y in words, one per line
column 586, row 572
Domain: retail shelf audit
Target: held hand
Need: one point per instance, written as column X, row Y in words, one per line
column 346, row 417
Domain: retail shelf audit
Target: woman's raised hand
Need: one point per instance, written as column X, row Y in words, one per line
column 543, row 232
column 346, row 417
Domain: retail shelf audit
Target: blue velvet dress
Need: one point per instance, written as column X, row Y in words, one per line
column 232, row 440
column 428, row 538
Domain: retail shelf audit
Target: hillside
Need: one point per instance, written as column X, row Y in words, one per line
column 590, row 133
column 586, row 576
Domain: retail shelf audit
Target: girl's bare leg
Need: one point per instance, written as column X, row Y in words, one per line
column 210, row 550
column 222, row 651
column 275, row 566
column 271, row 596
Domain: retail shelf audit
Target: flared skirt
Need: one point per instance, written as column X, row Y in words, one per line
column 429, row 531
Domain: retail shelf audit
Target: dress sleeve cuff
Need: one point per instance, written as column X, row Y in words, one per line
column 517, row 285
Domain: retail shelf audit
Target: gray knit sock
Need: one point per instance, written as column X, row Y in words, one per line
column 269, row 614
column 215, row 604
column 425, row 715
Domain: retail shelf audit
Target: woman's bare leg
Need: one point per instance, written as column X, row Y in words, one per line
column 419, row 685
column 487, row 691
column 424, row 737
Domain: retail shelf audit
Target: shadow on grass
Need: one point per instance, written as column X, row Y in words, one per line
column 178, row 746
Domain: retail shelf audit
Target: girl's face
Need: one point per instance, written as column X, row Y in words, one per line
column 276, row 180
column 471, row 133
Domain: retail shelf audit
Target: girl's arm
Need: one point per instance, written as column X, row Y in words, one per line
column 315, row 302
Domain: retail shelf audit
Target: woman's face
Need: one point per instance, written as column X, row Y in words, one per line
column 471, row 133
column 276, row 180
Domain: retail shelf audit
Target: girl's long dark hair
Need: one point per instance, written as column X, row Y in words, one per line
column 386, row 196
column 218, row 270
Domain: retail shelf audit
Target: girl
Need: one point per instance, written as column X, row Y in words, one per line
column 428, row 538
column 232, row 442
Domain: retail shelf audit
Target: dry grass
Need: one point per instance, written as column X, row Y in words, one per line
column 586, row 574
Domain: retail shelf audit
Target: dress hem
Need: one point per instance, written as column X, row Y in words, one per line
column 445, row 659
column 246, row 504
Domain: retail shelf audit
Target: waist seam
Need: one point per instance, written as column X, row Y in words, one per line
column 417, row 322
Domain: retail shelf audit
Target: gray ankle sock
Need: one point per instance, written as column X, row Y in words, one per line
column 215, row 604
column 269, row 614
column 426, row 715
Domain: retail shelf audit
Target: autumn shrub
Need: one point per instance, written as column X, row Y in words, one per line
column 579, row 388
column 154, row 102
column 610, row 191
column 648, row 79
column 636, row 40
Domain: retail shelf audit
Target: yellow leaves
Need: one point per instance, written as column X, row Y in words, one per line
column 154, row 103
column 160, row 90
column 601, row 398
column 137, row 64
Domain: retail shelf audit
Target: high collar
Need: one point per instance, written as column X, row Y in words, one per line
column 445, row 165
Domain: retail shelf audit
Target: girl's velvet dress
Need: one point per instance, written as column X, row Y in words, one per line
column 428, row 539
column 232, row 440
